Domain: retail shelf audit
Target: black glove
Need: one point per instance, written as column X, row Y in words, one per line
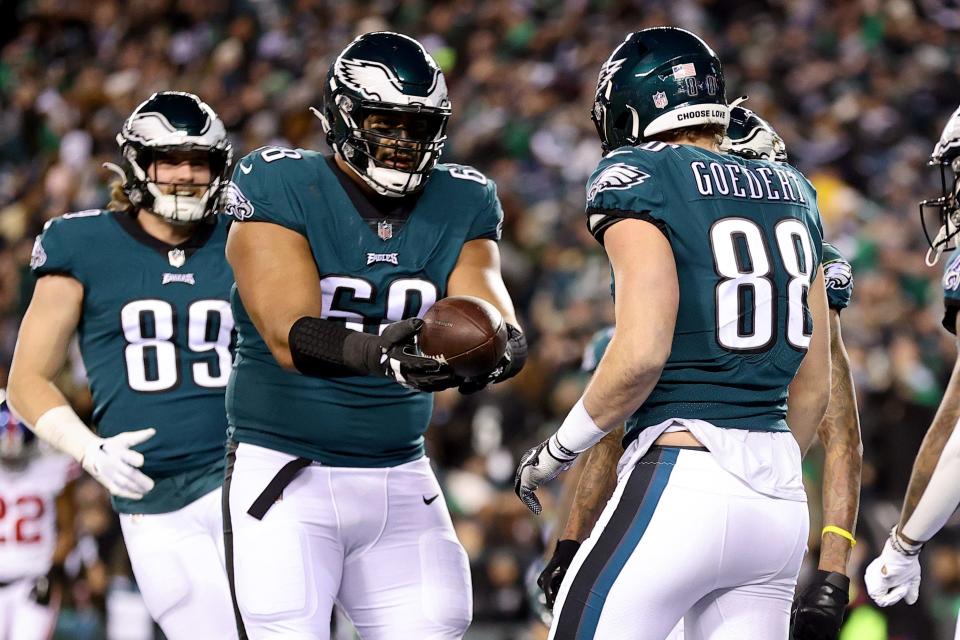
column 510, row 364
column 552, row 575
column 393, row 354
column 818, row 612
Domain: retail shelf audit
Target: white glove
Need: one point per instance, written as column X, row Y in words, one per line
column 113, row 463
column 894, row 575
column 539, row 465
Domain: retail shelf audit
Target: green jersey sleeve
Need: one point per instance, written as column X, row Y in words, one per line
column 837, row 276
column 624, row 185
column 951, row 294
column 54, row 249
column 263, row 188
column 488, row 222
column 595, row 349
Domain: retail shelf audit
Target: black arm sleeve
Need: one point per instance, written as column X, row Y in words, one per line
column 318, row 348
column 599, row 220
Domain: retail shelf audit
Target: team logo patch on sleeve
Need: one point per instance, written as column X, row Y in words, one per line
column 837, row 274
column 38, row 257
column 951, row 277
column 236, row 204
column 616, row 176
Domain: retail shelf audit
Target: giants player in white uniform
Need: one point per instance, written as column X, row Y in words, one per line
column 31, row 479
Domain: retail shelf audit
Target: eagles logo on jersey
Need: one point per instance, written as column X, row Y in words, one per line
column 837, row 277
column 616, row 176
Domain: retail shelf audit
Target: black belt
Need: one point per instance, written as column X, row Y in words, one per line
column 688, row 447
column 276, row 486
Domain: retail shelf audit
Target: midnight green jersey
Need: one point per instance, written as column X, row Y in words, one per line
column 837, row 277
column 595, row 349
column 156, row 336
column 370, row 276
column 746, row 238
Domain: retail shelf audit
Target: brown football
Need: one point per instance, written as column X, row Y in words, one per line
column 467, row 333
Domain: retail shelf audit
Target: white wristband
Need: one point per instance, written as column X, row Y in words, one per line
column 64, row 429
column 578, row 432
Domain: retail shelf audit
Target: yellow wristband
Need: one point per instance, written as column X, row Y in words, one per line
column 843, row 533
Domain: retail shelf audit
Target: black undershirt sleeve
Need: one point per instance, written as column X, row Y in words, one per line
column 599, row 220
column 316, row 346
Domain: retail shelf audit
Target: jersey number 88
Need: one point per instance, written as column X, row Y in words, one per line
column 746, row 295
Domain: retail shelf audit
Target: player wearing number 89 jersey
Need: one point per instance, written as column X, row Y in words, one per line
column 144, row 285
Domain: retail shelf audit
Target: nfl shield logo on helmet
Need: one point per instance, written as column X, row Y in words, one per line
column 660, row 99
column 384, row 230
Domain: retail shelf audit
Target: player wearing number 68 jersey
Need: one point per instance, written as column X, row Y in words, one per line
column 720, row 309
column 144, row 285
column 336, row 259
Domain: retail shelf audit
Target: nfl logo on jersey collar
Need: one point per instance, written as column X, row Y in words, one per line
column 176, row 257
column 384, row 230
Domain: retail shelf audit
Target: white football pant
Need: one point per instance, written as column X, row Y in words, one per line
column 377, row 542
column 177, row 558
column 683, row 538
column 20, row 617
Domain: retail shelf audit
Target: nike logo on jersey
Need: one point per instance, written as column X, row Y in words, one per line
column 427, row 500
column 245, row 169
column 185, row 278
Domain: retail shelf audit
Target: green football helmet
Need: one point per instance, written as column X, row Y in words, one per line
column 657, row 80
column 750, row 136
column 393, row 78
column 172, row 122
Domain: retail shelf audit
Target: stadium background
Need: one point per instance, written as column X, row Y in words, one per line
column 858, row 89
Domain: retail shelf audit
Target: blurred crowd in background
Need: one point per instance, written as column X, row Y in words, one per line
column 858, row 89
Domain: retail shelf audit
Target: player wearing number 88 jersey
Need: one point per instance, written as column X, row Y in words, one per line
column 144, row 286
column 720, row 308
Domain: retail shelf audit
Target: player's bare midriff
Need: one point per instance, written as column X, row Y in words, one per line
column 678, row 439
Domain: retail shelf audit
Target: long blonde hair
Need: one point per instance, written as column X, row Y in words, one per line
column 118, row 199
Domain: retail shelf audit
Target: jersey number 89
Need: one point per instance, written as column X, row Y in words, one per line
column 747, row 290
column 151, row 354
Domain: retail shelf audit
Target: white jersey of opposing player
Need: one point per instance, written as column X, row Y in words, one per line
column 28, row 514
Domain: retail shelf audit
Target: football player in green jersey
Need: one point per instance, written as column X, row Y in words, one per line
column 145, row 286
column 336, row 258
column 819, row 610
column 720, row 310
column 934, row 489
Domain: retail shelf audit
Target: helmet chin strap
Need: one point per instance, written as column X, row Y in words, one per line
column 936, row 248
column 933, row 256
column 377, row 177
column 178, row 209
